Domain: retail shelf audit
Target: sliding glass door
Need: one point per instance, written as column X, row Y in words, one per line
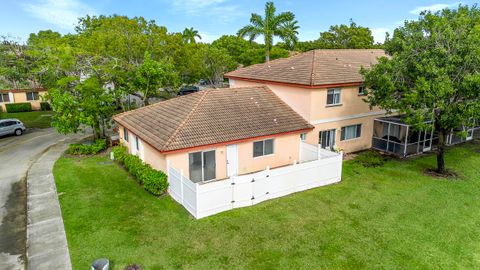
column 202, row 166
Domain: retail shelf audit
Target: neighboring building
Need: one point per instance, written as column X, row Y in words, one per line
column 325, row 87
column 215, row 134
column 32, row 96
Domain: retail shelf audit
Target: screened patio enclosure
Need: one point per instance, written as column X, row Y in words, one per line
column 392, row 135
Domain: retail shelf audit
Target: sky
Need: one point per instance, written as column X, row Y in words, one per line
column 213, row 18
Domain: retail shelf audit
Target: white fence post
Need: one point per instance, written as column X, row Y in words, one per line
column 169, row 178
column 181, row 186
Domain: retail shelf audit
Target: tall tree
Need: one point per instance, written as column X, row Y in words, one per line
column 351, row 36
column 215, row 62
column 432, row 74
column 189, row 35
column 153, row 75
column 270, row 26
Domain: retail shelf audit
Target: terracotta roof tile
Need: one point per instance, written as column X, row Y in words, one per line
column 212, row 116
column 313, row 68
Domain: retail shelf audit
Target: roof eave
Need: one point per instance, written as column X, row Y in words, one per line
column 308, row 86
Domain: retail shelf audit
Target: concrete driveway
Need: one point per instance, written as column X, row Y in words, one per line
column 16, row 156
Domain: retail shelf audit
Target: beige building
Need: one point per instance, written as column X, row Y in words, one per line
column 33, row 96
column 325, row 87
column 215, row 134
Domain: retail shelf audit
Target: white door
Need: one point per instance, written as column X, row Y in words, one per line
column 232, row 160
column 469, row 134
column 427, row 143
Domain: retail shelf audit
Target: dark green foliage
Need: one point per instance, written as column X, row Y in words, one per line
column 370, row 159
column 86, row 149
column 18, row 107
column 45, row 106
column 153, row 181
column 432, row 74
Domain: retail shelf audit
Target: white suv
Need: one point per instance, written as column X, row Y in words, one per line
column 11, row 126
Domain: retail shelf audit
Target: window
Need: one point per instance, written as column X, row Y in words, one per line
column 303, row 136
column 202, row 166
column 263, row 148
column 327, row 138
column 136, row 143
column 333, row 96
column 32, row 95
column 4, row 98
column 351, row 132
column 125, row 134
column 362, row 90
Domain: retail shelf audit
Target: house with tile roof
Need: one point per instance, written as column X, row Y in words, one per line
column 325, row 88
column 216, row 133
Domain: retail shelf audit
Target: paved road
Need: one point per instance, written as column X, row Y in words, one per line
column 16, row 156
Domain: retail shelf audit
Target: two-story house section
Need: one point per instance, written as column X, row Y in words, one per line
column 325, row 87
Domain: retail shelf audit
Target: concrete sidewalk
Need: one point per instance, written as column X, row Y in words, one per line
column 46, row 240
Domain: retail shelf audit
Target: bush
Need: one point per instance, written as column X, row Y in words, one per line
column 45, row 106
column 18, row 107
column 370, row 159
column 85, row 149
column 153, row 181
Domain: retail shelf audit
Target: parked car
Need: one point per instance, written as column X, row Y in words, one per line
column 188, row 89
column 11, row 126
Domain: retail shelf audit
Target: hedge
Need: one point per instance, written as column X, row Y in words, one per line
column 153, row 181
column 85, row 149
column 18, row 107
column 45, row 106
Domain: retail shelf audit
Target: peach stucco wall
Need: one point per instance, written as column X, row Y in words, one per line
column 348, row 146
column 312, row 105
column 297, row 98
column 21, row 97
column 286, row 151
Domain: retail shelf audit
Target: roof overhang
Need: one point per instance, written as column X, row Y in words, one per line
column 295, row 84
column 199, row 147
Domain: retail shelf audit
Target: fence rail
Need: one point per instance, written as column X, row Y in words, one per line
column 205, row 199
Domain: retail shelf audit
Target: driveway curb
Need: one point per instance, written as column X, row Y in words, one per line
column 46, row 239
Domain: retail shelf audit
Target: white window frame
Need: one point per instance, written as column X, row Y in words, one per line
column 303, row 136
column 361, row 90
column 344, row 129
column 1, row 98
column 337, row 96
column 125, row 134
column 263, row 148
column 203, row 163
column 33, row 96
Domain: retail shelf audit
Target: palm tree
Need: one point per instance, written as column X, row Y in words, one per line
column 290, row 32
column 282, row 25
column 189, row 35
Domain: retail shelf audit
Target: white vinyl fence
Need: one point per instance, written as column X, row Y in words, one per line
column 205, row 199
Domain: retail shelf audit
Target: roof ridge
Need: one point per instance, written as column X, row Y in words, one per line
column 312, row 74
column 189, row 115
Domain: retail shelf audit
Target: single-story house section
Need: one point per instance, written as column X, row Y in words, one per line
column 224, row 134
column 32, row 96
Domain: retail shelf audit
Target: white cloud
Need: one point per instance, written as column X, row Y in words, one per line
column 433, row 8
column 221, row 10
column 207, row 37
column 379, row 33
column 62, row 13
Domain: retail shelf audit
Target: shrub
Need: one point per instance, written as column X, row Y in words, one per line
column 153, row 181
column 370, row 159
column 45, row 106
column 85, row 149
column 18, row 107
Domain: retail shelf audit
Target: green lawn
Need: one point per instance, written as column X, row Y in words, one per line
column 389, row 217
column 34, row 119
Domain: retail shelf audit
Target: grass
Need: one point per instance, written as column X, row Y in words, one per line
column 388, row 217
column 34, row 119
